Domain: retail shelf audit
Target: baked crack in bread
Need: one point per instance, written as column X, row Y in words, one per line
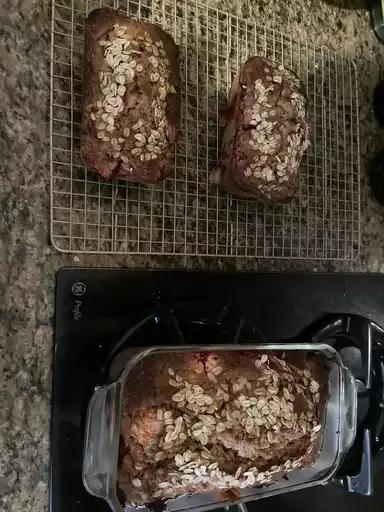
column 131, row 98
column 265, row 133
column 211, row 422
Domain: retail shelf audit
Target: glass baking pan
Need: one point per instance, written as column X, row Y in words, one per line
column 102, row 437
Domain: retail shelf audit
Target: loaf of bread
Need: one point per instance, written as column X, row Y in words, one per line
column 131, row 98
column 265, row 133
column 219, row 421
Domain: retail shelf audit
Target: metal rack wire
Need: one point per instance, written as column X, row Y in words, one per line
column 185, row 215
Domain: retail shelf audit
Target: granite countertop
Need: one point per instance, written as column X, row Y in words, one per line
column 28, row 262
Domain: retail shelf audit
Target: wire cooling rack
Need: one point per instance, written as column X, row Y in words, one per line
column 185, row 215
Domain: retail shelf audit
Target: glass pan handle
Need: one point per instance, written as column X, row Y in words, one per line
column 102, row 441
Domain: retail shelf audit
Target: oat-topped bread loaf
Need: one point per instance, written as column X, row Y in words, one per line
column 265, row 133
column 203, row 422
column 131, row 98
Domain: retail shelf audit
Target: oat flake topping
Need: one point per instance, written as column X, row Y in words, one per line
column 263, row 410
column 128, row 59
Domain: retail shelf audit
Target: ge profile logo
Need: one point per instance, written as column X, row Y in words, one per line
column 78, row 289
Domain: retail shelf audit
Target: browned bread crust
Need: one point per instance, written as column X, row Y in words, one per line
column 203, row 422
column 265, row 133
column 131, row 98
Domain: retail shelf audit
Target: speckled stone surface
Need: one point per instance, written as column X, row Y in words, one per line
column 27, row 262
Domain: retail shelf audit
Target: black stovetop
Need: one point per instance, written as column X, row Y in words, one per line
column 95, row 307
